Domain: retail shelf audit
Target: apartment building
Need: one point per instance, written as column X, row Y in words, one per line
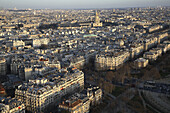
column 149, row 43
column 18, row 43
column 15, row 64
column 41, row 93
column 157, row 50
column 4, row 108
column 141, row 63
column 36, row 96
column 136, row 50
column 77, row 103
column 163, row 36
column 151, row 56
column 109, row 61
column 3, row 66
column 81, row 102
column 94, row 93
column 154, row 28
column 39, row 41
column 11, row 105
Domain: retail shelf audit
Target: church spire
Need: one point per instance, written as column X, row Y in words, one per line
column 97, row 19
column 97, row 22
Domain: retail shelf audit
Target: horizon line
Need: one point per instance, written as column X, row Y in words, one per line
column 79, row 8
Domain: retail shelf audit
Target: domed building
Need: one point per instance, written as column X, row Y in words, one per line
column 97, row 22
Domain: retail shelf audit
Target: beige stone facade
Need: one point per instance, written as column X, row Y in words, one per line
column 109, row 61
column 41, row 93
column 141, row 63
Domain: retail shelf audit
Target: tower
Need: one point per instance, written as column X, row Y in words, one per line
column 97, row 19
column 97, row 22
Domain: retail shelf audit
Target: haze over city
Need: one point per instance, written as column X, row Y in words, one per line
column 78, row 4
column 84, row 56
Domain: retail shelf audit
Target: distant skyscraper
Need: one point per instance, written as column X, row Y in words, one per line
column 97, row 21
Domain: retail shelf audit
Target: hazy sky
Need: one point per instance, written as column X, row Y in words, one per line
column 65, row 4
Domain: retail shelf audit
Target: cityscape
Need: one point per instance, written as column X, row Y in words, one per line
column 84, row 59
